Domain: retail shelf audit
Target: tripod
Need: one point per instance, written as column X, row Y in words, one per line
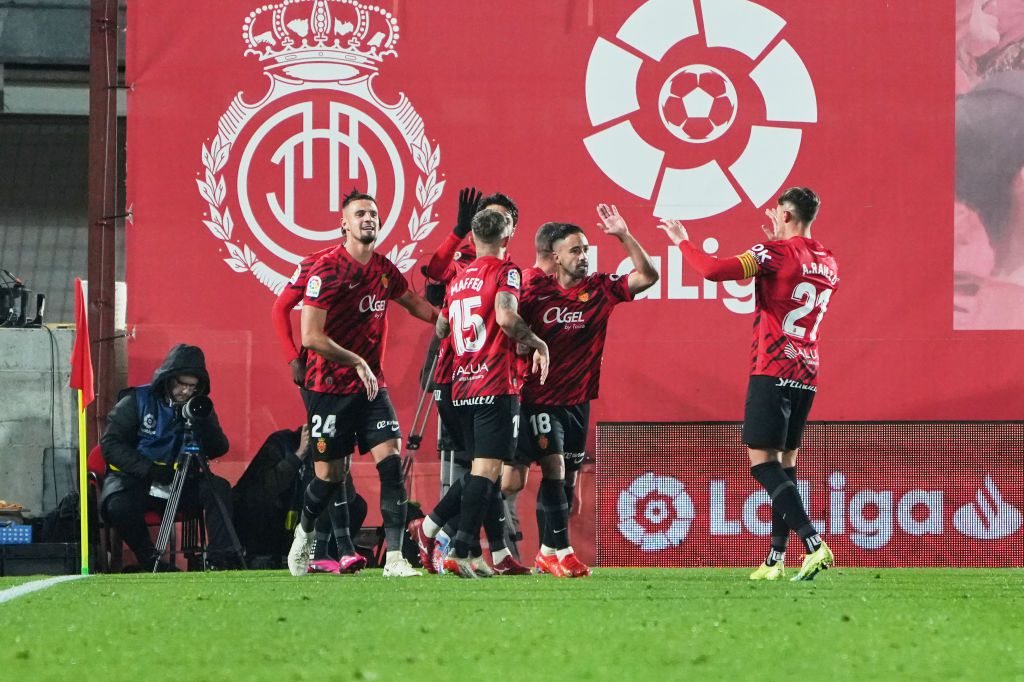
column 190, row 453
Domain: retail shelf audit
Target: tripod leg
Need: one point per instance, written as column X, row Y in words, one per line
column 170, row 511
column 204, row 470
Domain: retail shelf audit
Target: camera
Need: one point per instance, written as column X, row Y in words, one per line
column 197, row 408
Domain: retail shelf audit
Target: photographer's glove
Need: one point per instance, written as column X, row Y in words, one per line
column 469, row 197
column 160, row 473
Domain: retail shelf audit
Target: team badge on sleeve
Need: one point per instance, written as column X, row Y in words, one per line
column 514, row 279
column 313, row 287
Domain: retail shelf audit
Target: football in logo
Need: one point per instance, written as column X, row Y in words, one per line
column 273, row 178
column 655, row 513
column 692, row 109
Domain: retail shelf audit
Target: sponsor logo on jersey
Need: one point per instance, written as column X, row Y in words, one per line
column 471, row 369
column 313, row 286
column 371, row 304
column 563, row 316
column 761, row 253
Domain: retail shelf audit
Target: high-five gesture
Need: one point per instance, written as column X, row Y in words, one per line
column 675, row 230
column 469, row 197
column 611, row 222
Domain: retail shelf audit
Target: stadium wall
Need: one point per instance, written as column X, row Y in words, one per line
column 238, row 145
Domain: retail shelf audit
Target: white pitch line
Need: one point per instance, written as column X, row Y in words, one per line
column 34, row 586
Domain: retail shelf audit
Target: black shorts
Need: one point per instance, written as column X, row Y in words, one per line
column 552, row 430
column 776, row 412
column 450, row 433
column 338, row 422
column 490, row 426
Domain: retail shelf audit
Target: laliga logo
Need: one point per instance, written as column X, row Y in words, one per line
column 697, row 104
column 318, row 130
column 655, row 512
column 988, row 518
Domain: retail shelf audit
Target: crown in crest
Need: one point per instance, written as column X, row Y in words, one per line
column 320, row 39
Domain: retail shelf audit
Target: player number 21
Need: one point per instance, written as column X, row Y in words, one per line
column 463, row 319
column 806, row 292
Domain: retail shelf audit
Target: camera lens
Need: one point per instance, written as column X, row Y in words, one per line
column 197, row 408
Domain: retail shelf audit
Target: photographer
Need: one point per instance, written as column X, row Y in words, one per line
column 144, row 434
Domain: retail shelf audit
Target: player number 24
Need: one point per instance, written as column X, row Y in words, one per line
column 463, row 319
column 811, row 299
column 326, row 424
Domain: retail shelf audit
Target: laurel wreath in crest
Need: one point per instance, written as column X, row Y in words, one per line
column 213, row 190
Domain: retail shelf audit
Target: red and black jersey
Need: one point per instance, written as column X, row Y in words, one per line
column 462, row 259
column 355, row 297
column 290, row 296
column 573, row 322
column 483, row 361
column 794, row 281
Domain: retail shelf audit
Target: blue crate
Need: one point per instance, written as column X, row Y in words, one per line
column 16, row 534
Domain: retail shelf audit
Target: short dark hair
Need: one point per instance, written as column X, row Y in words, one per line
column 356, row 195
column 502, row 200
column 560, row 231
column 804, row 201
column 542, row 241
column 489, row 226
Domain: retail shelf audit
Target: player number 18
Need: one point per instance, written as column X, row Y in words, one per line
column 811, row 299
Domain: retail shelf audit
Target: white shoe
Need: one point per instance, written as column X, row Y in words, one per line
column 481, row 567
column 465, row 568
column 301, row 550
column 400, row 568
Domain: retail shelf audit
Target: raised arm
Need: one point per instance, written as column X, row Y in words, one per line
column 709, row 267
column 440, row 267
column 506, row 313
column 644, row 275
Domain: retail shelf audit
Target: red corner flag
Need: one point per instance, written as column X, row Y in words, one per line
column 81, row 358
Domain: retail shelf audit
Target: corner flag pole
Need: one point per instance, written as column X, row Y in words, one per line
column 82, row 379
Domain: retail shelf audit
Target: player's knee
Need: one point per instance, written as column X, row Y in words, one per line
column 333, row 471
column 553, row 467
column 389, row 470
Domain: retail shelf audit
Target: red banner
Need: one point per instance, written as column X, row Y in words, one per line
column 247, row 121
column 881, row 495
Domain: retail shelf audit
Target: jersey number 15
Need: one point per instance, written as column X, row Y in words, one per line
column 464, row 320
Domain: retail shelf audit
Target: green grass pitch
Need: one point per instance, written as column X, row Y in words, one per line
column 619, row 624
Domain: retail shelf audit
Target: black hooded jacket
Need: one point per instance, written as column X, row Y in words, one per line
column 126, row 427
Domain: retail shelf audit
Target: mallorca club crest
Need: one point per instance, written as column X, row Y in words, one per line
column 698, row 111
column 281, row 165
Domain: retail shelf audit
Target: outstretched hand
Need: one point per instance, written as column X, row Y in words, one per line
column 775, row 229
column 675, row 230
column 469, row 198
column 611, row 222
